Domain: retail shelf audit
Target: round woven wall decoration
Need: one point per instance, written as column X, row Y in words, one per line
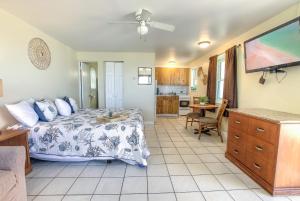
column 39, row 53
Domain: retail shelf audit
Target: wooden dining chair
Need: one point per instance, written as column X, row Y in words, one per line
column 196, row 100
column 193, row 116
column 207, row 123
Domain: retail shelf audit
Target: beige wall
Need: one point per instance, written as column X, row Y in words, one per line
column 21, row 79
column 141, row 96
column 284, row 96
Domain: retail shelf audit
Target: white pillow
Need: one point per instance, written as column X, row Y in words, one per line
column 63, row 107
column 23, row 113
column 46, row 110
column 30, row 101
column 73, row 104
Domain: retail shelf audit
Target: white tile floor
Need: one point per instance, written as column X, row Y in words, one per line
column 181, row 168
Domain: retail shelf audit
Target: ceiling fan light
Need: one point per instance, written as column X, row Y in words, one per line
column 204, row 44
column 142, row 29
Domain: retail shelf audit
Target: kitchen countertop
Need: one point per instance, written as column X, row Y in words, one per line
column 172, row 95
column 167, row 95
column 270, row 115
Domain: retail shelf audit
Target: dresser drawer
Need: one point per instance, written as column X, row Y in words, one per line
column 260, row 167
column 261, row 149
column 236, row 136
column 263, row 130
column 239, row 122
column 236, row 151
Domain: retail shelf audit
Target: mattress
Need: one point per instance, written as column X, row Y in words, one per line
column 80, row 137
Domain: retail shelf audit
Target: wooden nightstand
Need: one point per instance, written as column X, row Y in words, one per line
column 17, row 138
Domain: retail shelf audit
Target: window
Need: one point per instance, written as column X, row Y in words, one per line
column 144, row 76
column 220, row 78
column 194, row 79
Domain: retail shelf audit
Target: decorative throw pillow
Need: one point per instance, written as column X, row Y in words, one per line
column 52, row 104
column 63, row 107
column 23, row 113
column 72, row 103
column 45, row 110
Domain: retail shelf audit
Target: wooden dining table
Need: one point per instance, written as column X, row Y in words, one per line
column 202, row 109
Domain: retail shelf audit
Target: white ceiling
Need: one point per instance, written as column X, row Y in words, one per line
column 83, row 24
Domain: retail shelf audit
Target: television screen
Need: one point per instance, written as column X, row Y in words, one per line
column 277, row 48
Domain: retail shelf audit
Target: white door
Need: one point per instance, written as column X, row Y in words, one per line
column 118, row 85
column 114, row 85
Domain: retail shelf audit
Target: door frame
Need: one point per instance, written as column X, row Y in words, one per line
column 80, row 91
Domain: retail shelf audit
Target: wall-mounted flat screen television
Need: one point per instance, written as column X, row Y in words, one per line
column 274, row 49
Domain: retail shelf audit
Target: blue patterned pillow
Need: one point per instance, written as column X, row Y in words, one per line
column 46, row 110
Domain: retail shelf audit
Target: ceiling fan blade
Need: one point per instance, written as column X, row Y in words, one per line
column 123, row 22
column 162, row 26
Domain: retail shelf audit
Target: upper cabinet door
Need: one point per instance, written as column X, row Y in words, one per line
column 172, row 76
column 184, row 76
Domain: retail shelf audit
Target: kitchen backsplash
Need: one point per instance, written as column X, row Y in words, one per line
column 165, row 89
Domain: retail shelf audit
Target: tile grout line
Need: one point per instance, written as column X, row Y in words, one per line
column 66, row 193
column 194, row 180
column 122, row 183
column 52, row 178
column 98, row 182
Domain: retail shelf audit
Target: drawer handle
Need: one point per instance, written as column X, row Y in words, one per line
column 258, row 148
column 237, row 137
column 237, row 122
column 256, row 166
column 236, row 151
column 260, row 130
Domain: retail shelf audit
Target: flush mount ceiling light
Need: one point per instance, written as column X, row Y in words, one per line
column 204, row 44
column 172, row 62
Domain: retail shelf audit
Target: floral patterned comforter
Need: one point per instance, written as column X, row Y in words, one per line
column 81, row 136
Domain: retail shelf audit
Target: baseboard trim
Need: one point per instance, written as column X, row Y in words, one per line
column 224, row 135
column 167, row 115
column 149, row 122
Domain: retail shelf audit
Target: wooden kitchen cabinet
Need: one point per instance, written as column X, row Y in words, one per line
column 167, row 104
column 172, row 76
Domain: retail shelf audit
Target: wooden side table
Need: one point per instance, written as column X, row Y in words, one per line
column 17, row 138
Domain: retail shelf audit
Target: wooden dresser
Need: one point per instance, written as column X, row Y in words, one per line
column 265, row 144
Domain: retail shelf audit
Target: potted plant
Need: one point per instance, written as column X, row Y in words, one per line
column 203, row 100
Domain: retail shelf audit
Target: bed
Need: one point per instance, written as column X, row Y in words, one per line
column 80, row 137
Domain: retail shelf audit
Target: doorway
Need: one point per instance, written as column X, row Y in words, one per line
column 88, row 85
column 113, row 85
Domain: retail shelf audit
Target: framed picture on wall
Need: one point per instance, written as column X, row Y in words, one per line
column 144, row 76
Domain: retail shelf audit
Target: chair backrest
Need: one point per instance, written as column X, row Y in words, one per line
column 196, row 99
column 221, row 111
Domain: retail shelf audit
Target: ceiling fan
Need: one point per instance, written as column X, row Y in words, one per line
column 143, row 20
